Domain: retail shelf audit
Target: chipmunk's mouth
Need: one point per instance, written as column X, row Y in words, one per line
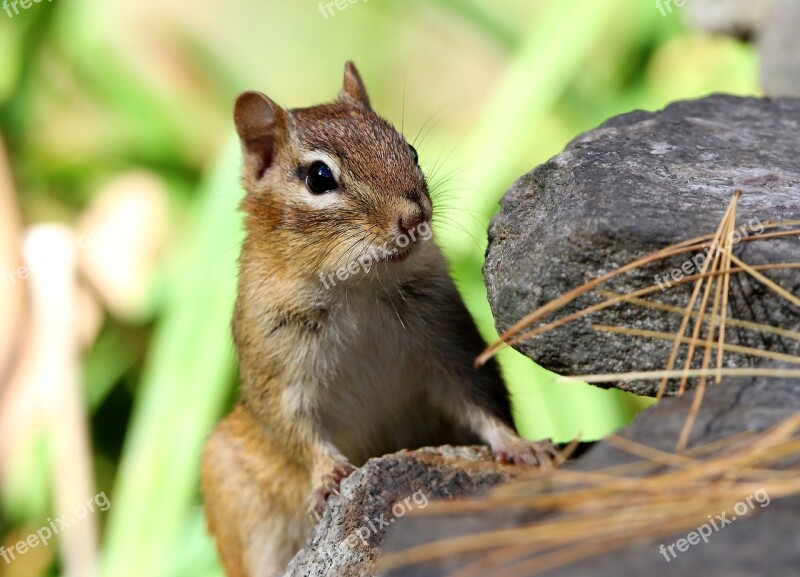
column 385, row 254
column 400, row 255
column 407, row 241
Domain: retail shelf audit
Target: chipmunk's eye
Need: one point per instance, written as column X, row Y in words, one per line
column 320, row 179
column 414, row 154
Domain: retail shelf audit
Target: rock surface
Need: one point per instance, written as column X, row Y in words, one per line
column 779, row 50
column 345, row 542
column 767, row 543
column 636, row 184
column 773, row 24
column 742, row 18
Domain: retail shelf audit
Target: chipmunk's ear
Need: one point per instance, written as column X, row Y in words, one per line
column 353, row 89
column 261, row 125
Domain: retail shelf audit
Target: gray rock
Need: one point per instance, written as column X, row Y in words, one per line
column 346, row 541
column 766, row 543
column 742, row 18
column 779, row 50
column 636, row 184
column 772, row 24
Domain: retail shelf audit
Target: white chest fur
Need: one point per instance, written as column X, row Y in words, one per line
column 364, row 376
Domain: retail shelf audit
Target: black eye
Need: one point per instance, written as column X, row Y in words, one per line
column 414, row 154
column 320, row 179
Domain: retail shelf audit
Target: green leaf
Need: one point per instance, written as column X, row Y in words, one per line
column 184, row 387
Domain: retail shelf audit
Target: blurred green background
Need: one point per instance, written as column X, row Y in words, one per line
column 115, row 119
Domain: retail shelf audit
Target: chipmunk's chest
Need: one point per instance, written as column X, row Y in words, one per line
column 369, row 372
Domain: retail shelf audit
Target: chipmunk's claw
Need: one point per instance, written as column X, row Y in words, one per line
column 329, row 486
column 543, row 454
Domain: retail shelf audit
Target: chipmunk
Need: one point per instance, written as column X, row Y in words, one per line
column 336, row 369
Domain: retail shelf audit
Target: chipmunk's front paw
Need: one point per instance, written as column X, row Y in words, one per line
column 542, row 454
column 329, row 486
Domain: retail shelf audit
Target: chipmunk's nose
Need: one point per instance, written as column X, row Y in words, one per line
column 411, row 219
column 416, row 210
column 407, row 223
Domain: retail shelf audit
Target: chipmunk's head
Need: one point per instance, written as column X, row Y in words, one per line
column 336, row 181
